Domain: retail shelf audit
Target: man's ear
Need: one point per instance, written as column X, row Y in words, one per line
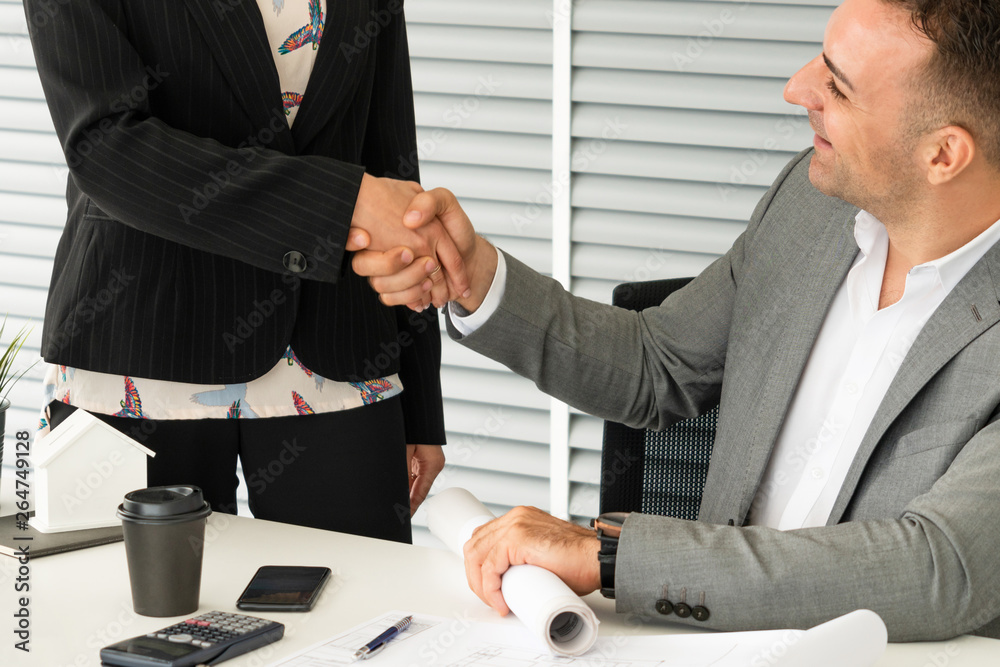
column 946, row 153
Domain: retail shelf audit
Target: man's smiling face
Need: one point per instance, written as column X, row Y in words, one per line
column 861, row 94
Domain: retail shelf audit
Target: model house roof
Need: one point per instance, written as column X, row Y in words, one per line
column 62, row 437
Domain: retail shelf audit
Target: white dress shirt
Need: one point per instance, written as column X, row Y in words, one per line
column 852, row 363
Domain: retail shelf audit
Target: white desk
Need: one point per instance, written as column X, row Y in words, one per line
column 80, row 601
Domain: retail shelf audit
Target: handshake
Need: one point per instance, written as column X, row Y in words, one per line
column 418, row 248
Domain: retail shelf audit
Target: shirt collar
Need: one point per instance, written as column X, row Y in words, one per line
column 869, row 233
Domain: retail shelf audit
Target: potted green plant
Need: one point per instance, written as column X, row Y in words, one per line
column 8, row 376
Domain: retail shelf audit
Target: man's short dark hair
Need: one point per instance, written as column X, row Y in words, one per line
column 962, row 82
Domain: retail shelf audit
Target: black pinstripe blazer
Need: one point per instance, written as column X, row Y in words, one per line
column 187, row 191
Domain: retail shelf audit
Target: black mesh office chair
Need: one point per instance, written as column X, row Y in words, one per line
column 655, row 472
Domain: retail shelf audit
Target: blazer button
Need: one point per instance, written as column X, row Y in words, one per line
column 682, row 610
column 294, row 261
column 700, row 613
column 664, row 607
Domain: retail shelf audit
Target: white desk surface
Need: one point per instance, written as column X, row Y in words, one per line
column 80, row 601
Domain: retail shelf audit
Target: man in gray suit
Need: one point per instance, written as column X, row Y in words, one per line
column 849, row 334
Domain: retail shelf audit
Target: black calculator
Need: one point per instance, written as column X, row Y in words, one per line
column 203, row 640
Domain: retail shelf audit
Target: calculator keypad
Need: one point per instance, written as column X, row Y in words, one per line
column 211, row 628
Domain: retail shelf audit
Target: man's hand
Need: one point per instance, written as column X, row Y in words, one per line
column 415, row 284
column 423, row 462
column 527, row 535
column 377, row 225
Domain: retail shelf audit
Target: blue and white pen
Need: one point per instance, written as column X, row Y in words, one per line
column 377, row 644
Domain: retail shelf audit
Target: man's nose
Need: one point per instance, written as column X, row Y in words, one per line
column 804, row 87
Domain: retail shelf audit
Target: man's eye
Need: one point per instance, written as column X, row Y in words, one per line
column 832, row 85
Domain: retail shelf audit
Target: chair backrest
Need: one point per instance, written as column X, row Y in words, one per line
column 655, row 472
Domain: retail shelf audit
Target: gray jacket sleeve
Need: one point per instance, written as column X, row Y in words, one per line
column 647, row 370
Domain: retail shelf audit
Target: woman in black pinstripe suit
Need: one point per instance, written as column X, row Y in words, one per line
column 202, row 300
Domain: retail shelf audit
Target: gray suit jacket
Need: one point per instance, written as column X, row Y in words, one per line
column 915, row 532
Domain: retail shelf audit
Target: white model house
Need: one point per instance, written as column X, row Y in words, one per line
column 83, row 468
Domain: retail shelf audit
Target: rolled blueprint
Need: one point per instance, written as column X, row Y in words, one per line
column 543, row 602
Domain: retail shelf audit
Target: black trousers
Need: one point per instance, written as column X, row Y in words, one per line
column 343, row 471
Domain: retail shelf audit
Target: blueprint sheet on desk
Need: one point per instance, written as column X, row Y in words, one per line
column 857, row 639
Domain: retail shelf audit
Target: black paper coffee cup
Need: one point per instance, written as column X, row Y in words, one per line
column 164, row 529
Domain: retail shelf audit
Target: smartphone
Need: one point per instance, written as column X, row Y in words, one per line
column 284, row 588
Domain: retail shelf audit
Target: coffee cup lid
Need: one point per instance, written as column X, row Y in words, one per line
column 163, row 501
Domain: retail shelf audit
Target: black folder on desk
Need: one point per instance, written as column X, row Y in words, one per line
column 13, row 538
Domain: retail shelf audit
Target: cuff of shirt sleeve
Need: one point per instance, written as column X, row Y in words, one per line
column 465, row 322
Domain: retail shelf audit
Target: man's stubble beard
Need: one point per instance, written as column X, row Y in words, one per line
column 891, row 193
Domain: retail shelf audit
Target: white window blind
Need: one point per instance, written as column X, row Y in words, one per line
column 482, row 77
column 669, row 125
column 675, row 127
column 691, row 94
column 32, row 209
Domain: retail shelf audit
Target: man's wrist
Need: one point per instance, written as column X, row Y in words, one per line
column 609, row 529
column 482, row 265
column 596, row 583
